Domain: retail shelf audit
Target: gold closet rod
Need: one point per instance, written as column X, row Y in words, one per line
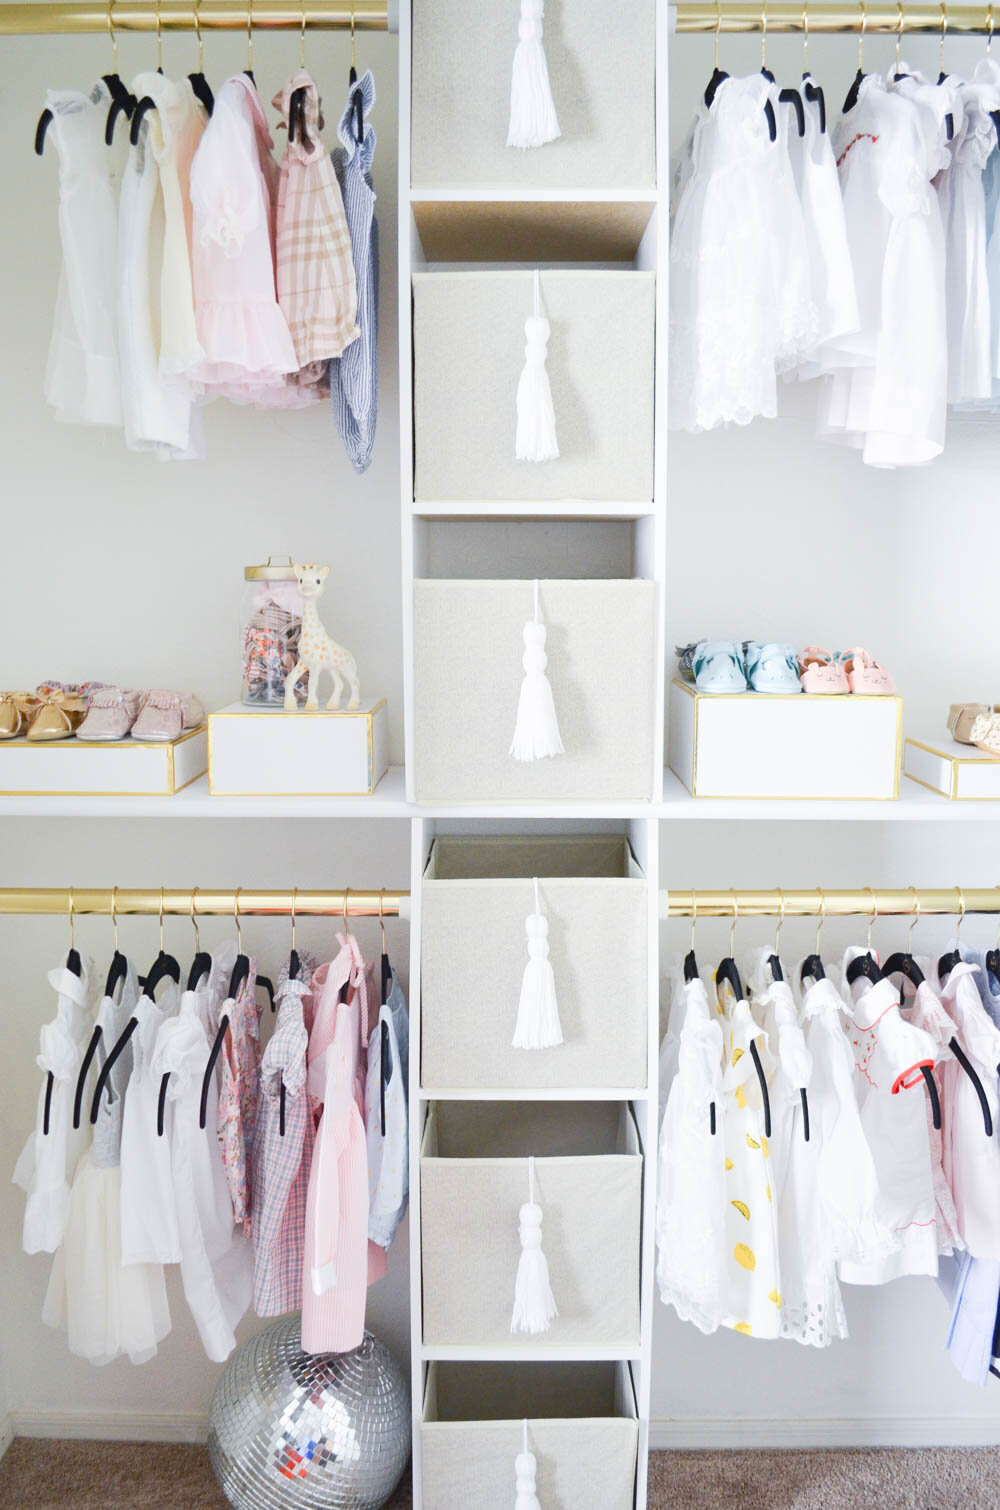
column 120, row 901
column 804, row 16
column 910, row 902
column 46, row 20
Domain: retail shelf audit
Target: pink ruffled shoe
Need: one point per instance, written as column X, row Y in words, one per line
column 821, row 672
column 111, row 714
column 865, row 676
column 168, row 715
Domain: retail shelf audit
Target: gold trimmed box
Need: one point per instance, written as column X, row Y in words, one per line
column 794, row 746
column 266, row 752
column 119, row 768
column 959, row 772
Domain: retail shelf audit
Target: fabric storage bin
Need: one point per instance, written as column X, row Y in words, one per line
column 468, row 353
column 473, row 1182
column 467, row 648
column 475, row 897
column 582, row 1429
column 601, row 68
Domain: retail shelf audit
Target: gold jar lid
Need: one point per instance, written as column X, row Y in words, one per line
column 271, row 570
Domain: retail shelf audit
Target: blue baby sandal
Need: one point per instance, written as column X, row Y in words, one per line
column 772, row 668
column 718, row 667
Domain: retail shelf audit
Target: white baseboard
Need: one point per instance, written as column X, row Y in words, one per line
column 110, row 1426
column 775, row 1431
column 6, row 1433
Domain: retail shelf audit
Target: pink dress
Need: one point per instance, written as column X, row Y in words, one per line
column 243, row 333
column 339, row 1262
column 239, row 1089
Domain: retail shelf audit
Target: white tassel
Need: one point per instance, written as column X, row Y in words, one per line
column 538, row 1025
column 533, row 120
column 535, row 439
column 534, row 1305
column 536, row 733
column 525, row 1478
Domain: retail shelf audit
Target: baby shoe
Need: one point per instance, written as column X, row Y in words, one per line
column 60, row 713
column 985, row 733
column 17, row 709
column 865, row 676
column 110, row 714
column 168, row 715
column 718, row 667
column 772, row 669
column 962, row 716
column 821, row 671
column 685, row 658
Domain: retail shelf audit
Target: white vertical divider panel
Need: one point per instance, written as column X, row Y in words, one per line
column 421, row 833
column 409, row 251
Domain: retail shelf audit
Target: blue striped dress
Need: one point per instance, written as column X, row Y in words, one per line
column 354, row 375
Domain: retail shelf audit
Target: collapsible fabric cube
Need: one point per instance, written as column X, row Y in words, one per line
column 588, row 1182
column 582, row 1429
column 468, row 354
column 475, row 897
column 467, row 647
column 601, row 69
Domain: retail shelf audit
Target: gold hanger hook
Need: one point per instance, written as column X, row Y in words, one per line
column 944, row 32
column 899, row 28
column 295, row 898
column 732, row 926
column 249, row 36
column 236, row 915
column 302, row 38
column 194, row 920
column 197, row 30
column 805, row 36
column 872, row 916
column 161, row 919
column 822, row 916
column 763, row 35
column 114, row 39
column 861, row 36
column 989, row 28
column 347, row 926
column 694, row 916
column 781, row 918
column 114, row 914
column 381, row 917
column 718, row 29
column 916, row 919
column 961, row 913
column 159, row 40
column 352, row 37
column 72, row 928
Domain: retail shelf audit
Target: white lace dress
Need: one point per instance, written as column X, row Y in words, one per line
column 741, row 308
column 963, row 211
column 690, row 1223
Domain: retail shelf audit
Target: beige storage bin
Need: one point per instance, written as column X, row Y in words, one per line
column 467, row 648
column 582, row 1429
column 476, row 895
column 601, row 68
column 588, row 1182
column 468, row 353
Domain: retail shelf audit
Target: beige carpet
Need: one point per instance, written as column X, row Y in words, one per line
column 38, row 1475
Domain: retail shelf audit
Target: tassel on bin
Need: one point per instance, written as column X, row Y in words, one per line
column 535, row 438
column 533, row 120
column 526, row 1478
column 536, row 733
column 538, row 1025
column 534, row 1304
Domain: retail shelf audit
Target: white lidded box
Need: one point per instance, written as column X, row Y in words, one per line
column 473, row 1181
column 265, row 752
column 582, row 1429
column 467, row 650
column 805, row 746
column 476, row 894
column 958, row 771
column 468, row 354
column 601, row 70
column 118, row 768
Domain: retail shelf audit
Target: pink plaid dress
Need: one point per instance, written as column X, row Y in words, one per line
column 282, row 1160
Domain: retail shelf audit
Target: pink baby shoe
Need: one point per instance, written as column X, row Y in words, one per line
column 111, row 713
column 168, row 715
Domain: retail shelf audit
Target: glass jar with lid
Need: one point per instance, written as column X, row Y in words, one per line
column 271, row 623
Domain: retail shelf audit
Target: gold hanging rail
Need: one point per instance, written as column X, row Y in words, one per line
column 45, row 19
column 905, row 18
column 908, row 902
column 29, row 901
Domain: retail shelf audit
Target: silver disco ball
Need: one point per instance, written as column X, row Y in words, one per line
column 293, row 1431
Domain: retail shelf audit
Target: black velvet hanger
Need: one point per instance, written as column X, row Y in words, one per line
column 729, row 974
column 812, row 969
column 75, row 966
column 213, row 1058
column 814, row 94
column 145, row 105
column 116, row 974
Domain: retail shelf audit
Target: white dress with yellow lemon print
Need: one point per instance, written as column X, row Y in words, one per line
column 753, row 1284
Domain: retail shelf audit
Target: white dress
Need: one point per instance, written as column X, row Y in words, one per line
column 150, row 1231
column 971, row 1159
column 888, row 394
column 107, row 1308
column 831, row 272
column 388, row 1139
column 963, row 210
column 812, row 1311
column 887, row 1056
column 690, row 1208
column 48, row 1161
column 740, row 298
column 81, row 379
column 924, row 1009
column 215, row 1256
column 752, row 1272
column 157, row 412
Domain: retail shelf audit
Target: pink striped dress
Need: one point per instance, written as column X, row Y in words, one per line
column 339, row 1262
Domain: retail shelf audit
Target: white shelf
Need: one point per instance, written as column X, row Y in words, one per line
column 559, row 508
column 530, row 1353
column 916, row 804
column 520, row 194
column 540, row 1093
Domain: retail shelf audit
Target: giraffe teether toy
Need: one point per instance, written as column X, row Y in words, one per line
column 317, row 651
